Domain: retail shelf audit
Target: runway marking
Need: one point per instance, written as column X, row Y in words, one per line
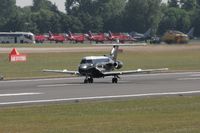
column 195, row 75
column 37, row 80
column 100, row 97
column 57, row 85
column 184, row 79
column 19, row 94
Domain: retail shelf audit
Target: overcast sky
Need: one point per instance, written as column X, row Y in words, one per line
column 59, row 3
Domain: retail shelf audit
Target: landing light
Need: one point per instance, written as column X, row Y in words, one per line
column 84, row 66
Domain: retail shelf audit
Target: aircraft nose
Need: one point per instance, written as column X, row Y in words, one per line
column 84, row 67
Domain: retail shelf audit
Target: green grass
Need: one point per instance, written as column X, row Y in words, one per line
column 174, row 60
column 149, row 115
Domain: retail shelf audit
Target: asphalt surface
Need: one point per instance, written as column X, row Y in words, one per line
column 43, row 91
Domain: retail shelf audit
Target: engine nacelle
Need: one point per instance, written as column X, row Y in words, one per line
column 118, row 64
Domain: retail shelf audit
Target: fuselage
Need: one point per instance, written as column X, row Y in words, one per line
column 94, row 66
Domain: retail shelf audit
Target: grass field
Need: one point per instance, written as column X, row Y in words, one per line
column 149, row 115
column 188, row 60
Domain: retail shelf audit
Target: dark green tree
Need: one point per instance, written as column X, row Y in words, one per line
column 188, row 5
column 141, row 15
column 196, row 20
column 111, row 12
column 175, row 19
column 94, row 23
column 101, row 13
column 71, row 6
column 7, row 8
column 16, row 23
column 43, row 20
column 173, row 3
column 43, row 5
column 46, row 16
column 198, row 2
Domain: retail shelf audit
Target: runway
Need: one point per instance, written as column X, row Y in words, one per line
column 43, row 91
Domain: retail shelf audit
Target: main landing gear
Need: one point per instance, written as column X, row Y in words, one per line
column 115, row 79
column 88, row 80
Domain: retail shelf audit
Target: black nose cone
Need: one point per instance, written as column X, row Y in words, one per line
column 84, row 68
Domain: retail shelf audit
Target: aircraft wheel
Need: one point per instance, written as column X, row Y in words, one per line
column 114, row 80
column 90, row 80
column 86, row 81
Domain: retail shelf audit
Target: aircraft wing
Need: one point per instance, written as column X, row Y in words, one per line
column 62, row 71
column 134, row 71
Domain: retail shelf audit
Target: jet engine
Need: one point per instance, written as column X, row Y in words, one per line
column 118, row 64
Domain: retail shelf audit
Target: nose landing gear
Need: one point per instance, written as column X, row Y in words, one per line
column 88, row 80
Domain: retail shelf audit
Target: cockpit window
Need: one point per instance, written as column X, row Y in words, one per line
column 94, row 61
column 100, row 60
column 84, row 61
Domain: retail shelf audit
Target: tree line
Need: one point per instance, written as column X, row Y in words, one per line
column 101, row 16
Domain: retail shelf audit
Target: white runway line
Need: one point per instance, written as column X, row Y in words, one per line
column 99, row 97
column 195, row 75
column 36, row 80
column 184, row 79
column 57, row 85
column 19, row 94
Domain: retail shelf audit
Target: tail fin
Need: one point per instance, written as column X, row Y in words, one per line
column 69, row 33
column 147, row 33
column 190, row 33
column 90, row 33
column 50, row 34
column 114, row 52
column 110, row 33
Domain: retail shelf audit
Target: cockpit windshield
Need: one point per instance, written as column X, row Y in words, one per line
column 96, row 61
column 84, row 61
